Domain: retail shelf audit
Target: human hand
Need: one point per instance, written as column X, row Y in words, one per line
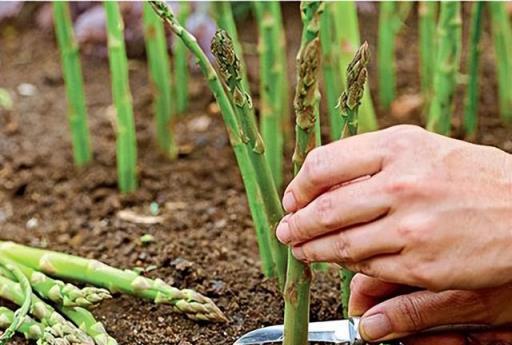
column 406, row 206
column 389, row 312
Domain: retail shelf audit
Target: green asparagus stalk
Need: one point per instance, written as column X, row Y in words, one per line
column 447, row 67
column 181, row 71
column 31, row 329
column 389, row 24
column 230, row 67
column 126, row 142
column 86, row 321
column 272, row 76
column 502, row 34
column 306, row 104
column 71, row 70
column 427, row 14
column 348, row 105
column 24, row 302
column 65, row 294
column 64, row 266
column 271, row 200
column 347, row 36
column 471, row 106
column 45, row 313
column 159, row 70
column 226, row 21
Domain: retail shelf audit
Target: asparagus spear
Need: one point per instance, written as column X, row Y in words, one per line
column 126, row 142
column 45, row 313
column 272, row 77
column 348, row 105
column 230, row 68
column 427, row 11
column 86, row 321
column 188, row 302
column 159, row 69
column 24, row 302
column 65, row 294
column 347, row 36
column 502, row 34
column 306, row 104
column 471, row 106
column 234, row 131
column 181, row 64
column 77, row 113
column 447, row 67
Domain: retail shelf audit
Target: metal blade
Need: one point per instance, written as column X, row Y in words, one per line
column 337, row 332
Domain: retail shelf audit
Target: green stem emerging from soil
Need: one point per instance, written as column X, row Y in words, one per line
column 194, row 305
column 306, row 104
column 272, row 76
column 447, row 67
column 472, row 94
column 348, row 104
column 126, row 143
column 72, row 72
column 427, row 14
column 160, row 74
column 86, row 321
column 347, row 36
column 181, row 71
column 502, row 34
column 271, row 199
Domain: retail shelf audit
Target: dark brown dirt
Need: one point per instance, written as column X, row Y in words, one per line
column 207, row 241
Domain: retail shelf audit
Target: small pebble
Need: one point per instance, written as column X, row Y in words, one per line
column 32, row 223
column 27, row 90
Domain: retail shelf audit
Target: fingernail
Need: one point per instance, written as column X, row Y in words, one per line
column 283, row 230
column 289, row 202
column 298, row 252
column 375, row 327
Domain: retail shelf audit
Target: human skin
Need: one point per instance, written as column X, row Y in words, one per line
column 405, row 206
column 392, row 311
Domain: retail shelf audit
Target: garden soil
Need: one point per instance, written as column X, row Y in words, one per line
column 205, row 239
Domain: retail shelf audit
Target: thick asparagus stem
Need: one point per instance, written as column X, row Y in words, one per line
column 427, row 14
column 389, row 23
column 349, row 103
column 447, row 67
column 230, row 68
column 188, row 302
column 502, row 34
column 45, row 313
column 86, row 321
column 24, row 302
column 126, row 143
column 159, row 70
column 471, row 105
column 181, row 71
column 272, row 77
column 30, row 329
column 306, row 104
column 71, row 70
column 234, row 132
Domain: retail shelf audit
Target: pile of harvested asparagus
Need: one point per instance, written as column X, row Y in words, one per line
column 54, row 312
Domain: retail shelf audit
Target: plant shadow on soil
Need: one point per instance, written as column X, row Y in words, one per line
column 206, row 241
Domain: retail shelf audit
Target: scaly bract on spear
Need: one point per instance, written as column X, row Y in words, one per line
column 86, row 322
column 348, row 105
column 306, row 105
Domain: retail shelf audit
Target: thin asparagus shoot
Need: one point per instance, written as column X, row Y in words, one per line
column 427, row 15
column 181, row 71
column 447, row 67
column 72, row 72
column 471, row 104
column 502, row 35
column 30, row 329
column 126, row 152
column 306, row 104
column 348, row 105
column 84, row 320
column 234, row 131
column 194, row 305
column 347, row 36
column 159, row 70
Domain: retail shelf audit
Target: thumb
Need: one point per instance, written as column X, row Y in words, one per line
column 407, row 314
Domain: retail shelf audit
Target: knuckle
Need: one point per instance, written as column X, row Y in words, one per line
column 316, row 164
column 324, row 211
column 310, row 255
column 414, row 231
column 410, row 312
column 404, row 186
column 402, row 137
column 297, row 231
column 342, row 248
